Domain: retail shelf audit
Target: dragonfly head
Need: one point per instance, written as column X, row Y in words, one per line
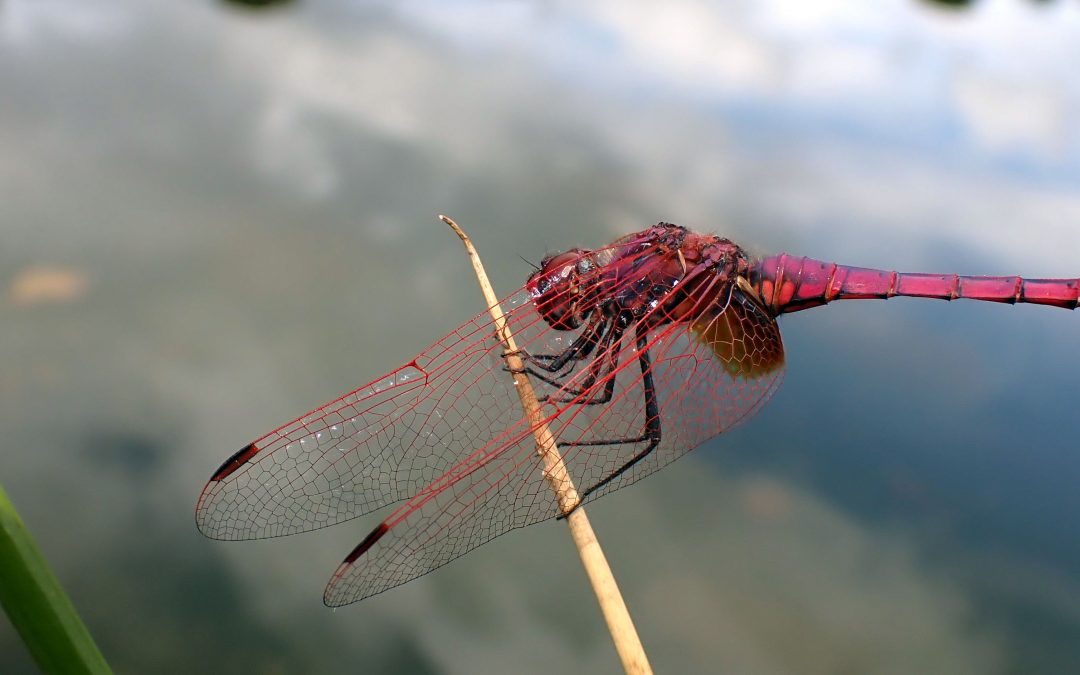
column 557, row 288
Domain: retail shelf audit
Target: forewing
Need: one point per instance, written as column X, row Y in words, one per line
column 383, row 442
column 378, row 444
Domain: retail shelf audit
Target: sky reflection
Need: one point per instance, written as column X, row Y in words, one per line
column 215, row 220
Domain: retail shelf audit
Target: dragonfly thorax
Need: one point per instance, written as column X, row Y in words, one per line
column 639, row 274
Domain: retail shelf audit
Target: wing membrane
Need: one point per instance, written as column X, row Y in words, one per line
column 371, row 447
column 502, row 487
column 445, row 433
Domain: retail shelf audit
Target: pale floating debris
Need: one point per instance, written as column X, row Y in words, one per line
column 45, row 284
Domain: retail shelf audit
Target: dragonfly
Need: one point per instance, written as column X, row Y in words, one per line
column 639, row 351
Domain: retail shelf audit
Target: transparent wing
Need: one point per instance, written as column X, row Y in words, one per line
column 707, row 376
column 381, row 443
column 378, row 444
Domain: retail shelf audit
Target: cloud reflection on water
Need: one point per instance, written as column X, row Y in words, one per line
column 240, row 190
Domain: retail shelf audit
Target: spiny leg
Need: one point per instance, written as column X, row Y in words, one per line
column 578, row 350
column 604, row 365
column 557, row 379
column 652, row 432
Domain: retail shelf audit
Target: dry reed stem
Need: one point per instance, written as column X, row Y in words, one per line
column 617, row 616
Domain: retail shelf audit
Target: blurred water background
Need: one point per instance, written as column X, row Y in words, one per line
column 213, row 219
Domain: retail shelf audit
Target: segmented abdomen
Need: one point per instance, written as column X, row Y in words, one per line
column 791, row 283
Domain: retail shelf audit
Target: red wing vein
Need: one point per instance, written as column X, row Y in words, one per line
column 503, row 486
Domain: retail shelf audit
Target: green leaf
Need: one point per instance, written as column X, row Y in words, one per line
column 37, row 605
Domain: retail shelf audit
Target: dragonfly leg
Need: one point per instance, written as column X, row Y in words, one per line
column 652, row 432
column 582, row 348
column 578, row 350
column 604, row 365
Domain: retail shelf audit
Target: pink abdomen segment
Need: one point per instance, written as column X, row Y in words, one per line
column 791, row 283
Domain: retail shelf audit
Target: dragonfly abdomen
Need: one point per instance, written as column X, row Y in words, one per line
column 791, row 283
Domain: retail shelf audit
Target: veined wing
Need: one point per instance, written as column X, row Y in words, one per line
column 709, row 375
column 376, row 445
column 383, row 442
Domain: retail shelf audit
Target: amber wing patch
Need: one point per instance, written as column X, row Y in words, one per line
column 743, row 336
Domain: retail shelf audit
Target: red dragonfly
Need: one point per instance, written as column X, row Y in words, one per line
column 640, row 351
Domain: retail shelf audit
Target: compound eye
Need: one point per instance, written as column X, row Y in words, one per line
column 556, row 274
column 554, row 289
column 554, row 263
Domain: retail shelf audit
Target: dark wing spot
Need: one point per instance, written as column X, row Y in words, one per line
column 239, row 459
column 367, row 543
